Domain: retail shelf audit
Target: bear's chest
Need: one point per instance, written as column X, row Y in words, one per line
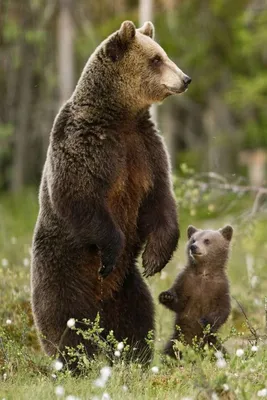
column 202, row 293
column 134, row 180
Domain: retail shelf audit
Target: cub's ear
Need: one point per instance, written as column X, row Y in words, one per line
column 191, row 230
column 147, row 29
column 227, row 232
column 127, row 32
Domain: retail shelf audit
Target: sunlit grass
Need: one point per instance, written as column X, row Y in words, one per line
column 26, row 373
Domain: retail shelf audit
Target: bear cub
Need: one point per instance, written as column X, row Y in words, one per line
column 200, row 294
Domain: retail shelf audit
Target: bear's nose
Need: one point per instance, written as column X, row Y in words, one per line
column 187, row 80
column 193, row 247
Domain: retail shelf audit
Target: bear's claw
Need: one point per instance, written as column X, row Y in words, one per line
column 104, row 271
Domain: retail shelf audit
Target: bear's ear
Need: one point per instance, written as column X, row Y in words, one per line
column 227, row 232
column 147, row 29
column 191, row 230
column 127, row 32
column 118, row 43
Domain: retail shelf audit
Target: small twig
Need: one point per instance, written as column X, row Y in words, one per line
column 250, row 327
column 265, row 309
column 256, row 202
column 233, row 188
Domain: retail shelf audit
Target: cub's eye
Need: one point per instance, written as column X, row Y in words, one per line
column 206, row 241
column 157, row 60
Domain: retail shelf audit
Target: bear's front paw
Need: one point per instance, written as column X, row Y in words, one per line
column 154, row 260
column 151, row 267
column 105, row 270
column 110, row 254
column 166, row 297
column 159, row 250
column 204, row 321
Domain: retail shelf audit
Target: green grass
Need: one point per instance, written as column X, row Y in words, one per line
column 26, row 373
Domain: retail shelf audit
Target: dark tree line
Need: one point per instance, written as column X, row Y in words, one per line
column 221, row 44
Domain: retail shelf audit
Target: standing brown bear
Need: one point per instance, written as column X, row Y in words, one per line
column 105, row 192
column 200, row 294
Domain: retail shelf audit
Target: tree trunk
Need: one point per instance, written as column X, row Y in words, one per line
column 146, row 14
column 65, row 51
column 222, row 136
column 21, row 135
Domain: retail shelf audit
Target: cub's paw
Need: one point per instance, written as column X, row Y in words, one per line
column 166, row 297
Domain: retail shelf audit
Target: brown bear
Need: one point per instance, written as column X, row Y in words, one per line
column 105, row 193
column 200, row 294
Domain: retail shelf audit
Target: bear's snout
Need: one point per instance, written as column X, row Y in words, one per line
column 187, row 80
column 193, row 248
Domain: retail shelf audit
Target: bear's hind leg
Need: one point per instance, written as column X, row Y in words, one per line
column 130, row 314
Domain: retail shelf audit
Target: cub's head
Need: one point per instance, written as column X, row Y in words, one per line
column 208, row 246
column 135, row 68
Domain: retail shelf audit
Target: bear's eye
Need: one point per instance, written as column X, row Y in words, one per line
column 206, row 241
column 157, row 60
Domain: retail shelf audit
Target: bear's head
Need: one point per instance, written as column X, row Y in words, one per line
column 131, row 67
column 209, row 247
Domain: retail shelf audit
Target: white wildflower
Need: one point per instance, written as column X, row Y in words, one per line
column 239, row 352
column 155, row 369
column 225, row 387
column 105, row 372
column 8, row 322
column 4, row 262
column 59, row 391
column 4, row 376
column 221, row 363
column 262, row 393
column 163, row 275
column 71, row 323
column 71, row 397
column 117, row 353
column 106, row 396
column 120, row 346
column 26, row 262
column 254, row 281
column 99, row 382
column 254, row 348
column 54, row 376
column 125, row 388
column 214, row 396
column 58, row 365
column 218, row 354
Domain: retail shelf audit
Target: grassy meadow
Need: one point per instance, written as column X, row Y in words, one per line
column 26, row 373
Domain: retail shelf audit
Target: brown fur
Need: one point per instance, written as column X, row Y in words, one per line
column 200, row 294
column 106, row 192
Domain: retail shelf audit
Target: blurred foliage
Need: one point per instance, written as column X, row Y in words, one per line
column 220, row 43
